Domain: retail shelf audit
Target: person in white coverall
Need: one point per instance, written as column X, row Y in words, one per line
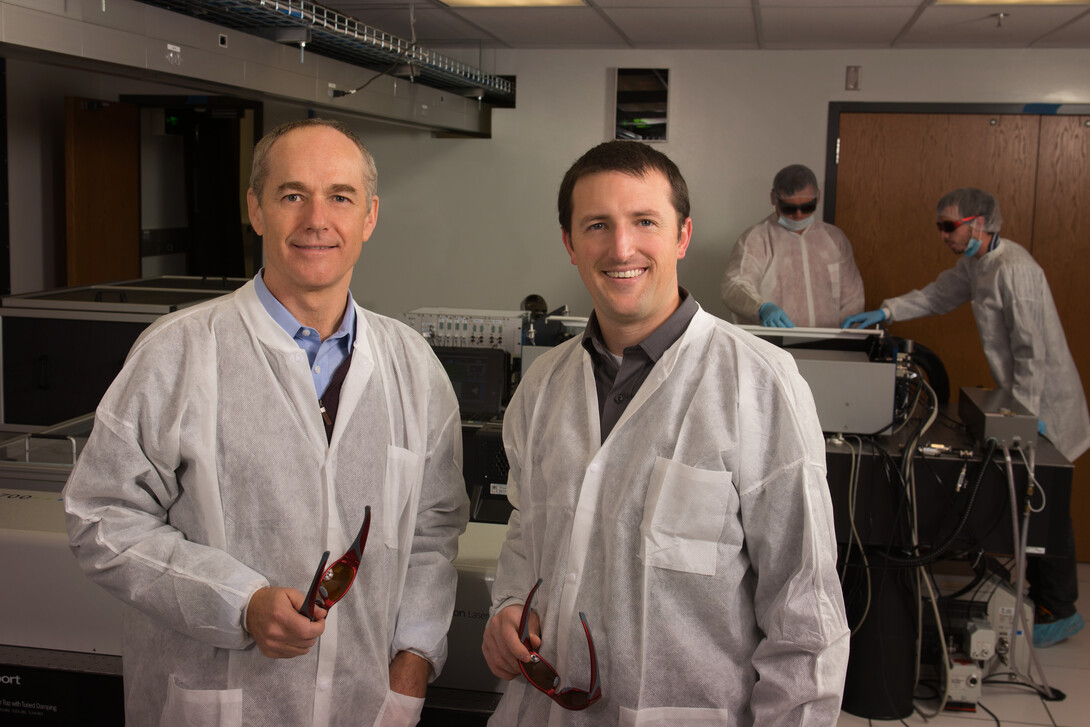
column 247, row 435
column 791, row 269
column 1027, row 353
column 668, row 479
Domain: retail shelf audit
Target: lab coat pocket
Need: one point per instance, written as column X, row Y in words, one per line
column 673, row 717
column 401, row 493
column 834, row 282
column 206, row 707
column 683, row 516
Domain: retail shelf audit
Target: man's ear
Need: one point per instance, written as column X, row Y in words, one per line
column 684, row 237
column 566, row 236
column 253, row 207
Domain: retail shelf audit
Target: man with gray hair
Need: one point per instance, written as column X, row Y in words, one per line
column 791, row 268
column 1027, row 353
column 247, row 435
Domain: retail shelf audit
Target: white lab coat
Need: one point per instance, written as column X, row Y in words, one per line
column 1021, row 334
column 208, row 476
column 811, row 275
column 698, row 539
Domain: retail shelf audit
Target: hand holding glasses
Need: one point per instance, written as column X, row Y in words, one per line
column 330, row 584
column 544, row 678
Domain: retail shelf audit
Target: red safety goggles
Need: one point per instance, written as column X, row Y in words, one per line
column 949, row 226
column 544, row 678
column 330, row 584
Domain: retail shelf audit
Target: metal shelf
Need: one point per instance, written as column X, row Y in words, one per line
column 330, row 34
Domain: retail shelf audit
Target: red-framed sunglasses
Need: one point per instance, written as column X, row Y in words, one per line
column 949, row 226
column 330, row 584
column 544, row 678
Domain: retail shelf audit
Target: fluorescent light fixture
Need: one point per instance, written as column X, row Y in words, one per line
column 513, row 3
column 1012, row 2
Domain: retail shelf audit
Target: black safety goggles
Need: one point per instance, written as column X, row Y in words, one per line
column 791, row 209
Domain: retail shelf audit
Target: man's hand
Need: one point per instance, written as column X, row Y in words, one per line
column 502, row 649
column 281, row 632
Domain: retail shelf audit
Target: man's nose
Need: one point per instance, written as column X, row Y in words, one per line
column 316, row 217
column 622, row 242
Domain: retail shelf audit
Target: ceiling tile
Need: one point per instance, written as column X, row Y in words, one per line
column 839, row 27
column 1074, row 35
column 977, row 27
column 687, row 27
column 433, row 26
column 672, row 4
column 547, row 27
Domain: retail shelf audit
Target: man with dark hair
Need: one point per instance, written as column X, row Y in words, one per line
column 1024, row 342
column 791, row 268
column 668, row 478
column 247, row 435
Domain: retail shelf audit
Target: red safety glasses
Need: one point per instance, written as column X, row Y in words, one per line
column 330, row 584
column 949, row 226
column 544, row 678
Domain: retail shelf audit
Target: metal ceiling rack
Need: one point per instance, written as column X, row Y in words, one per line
column 346, row 39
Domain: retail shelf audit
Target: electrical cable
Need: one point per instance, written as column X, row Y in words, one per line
column 335, row 93
column 1021, row 538
column 940, row 549
column 947, row 666
column 1036, row 486
column 853, row 489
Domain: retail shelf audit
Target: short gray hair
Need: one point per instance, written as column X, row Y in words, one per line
column 259, row 172
column 971, row 202
column 792, row 179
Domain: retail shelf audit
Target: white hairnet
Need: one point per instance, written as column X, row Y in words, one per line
column 972, row 201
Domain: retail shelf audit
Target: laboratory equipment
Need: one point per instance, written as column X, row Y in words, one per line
column 469, row 327
column 852, row 378
column 62, row 348
column 996, row 414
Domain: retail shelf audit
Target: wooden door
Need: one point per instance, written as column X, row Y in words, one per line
column 102, row 191
column 893, row 169
column 1061, row 243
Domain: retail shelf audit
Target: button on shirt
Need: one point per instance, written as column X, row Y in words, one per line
column 323, row 356
column 617, row 379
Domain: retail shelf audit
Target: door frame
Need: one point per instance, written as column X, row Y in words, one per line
column 836, row 108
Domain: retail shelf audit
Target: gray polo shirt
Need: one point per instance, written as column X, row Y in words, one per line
column 617, row 382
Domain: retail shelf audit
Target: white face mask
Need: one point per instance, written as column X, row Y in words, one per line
column 795, row 225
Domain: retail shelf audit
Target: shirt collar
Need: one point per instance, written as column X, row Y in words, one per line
column 287, row 321
column 656, row 344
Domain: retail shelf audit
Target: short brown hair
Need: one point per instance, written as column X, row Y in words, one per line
column 627, row 157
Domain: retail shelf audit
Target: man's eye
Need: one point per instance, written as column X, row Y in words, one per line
column 340, row 198
column 291, row 198
column 597, row 226
column 646, row 223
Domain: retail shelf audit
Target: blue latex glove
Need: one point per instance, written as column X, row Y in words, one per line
column 866, row 319
column 1041, row 427
column 773, row 316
